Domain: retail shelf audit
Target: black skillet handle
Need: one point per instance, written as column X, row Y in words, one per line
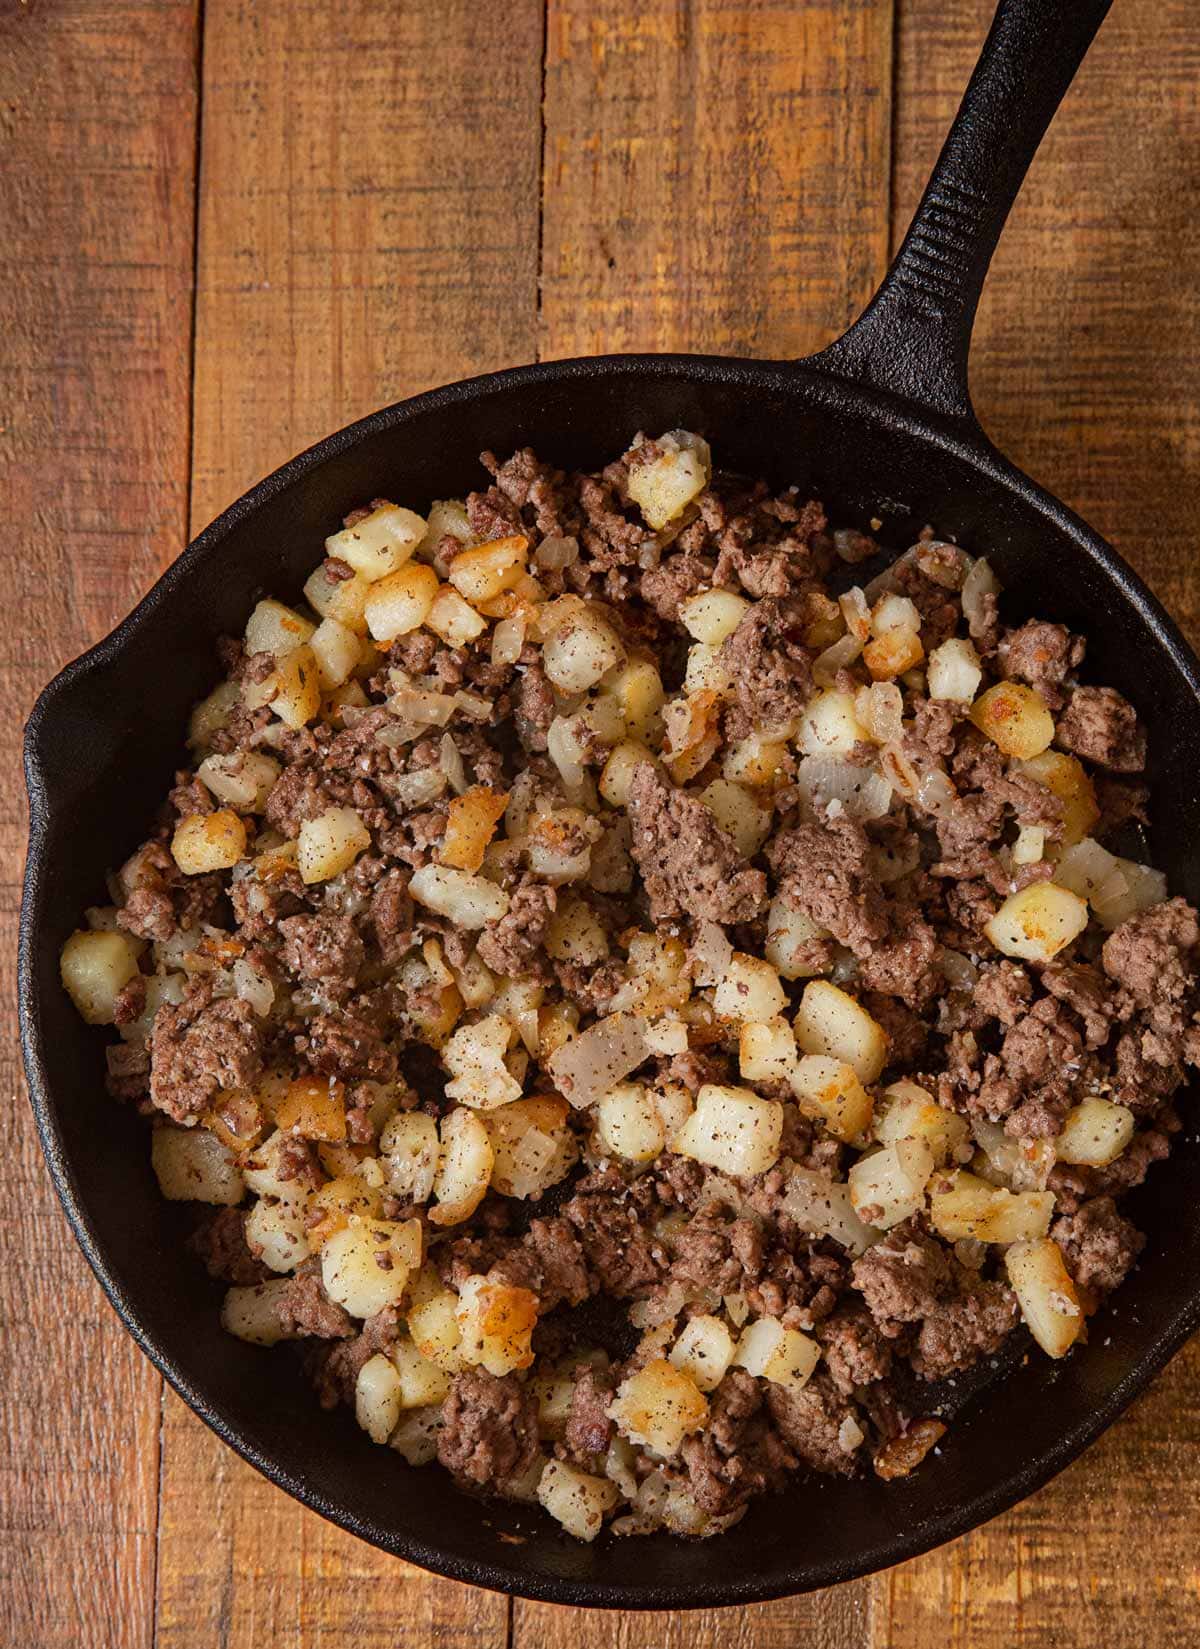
column 913, row 338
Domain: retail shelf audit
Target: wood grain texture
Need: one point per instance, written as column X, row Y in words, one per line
column 1082, row 373
column 97, row 129
column 368, row 227
column 715, row 179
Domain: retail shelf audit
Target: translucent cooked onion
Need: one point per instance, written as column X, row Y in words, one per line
column 508, row 638
column 900, row 771
column 979, row 583
column 415, row 789
column 862, row 792
column 885, row 581
column 425, row 709
column 935, row 792
column 710, row 954
column 1116, row 889
column 822, row 1207
column 880, row 709
column 565, row 752
column 856, row 613
column 961, row 973
column 839, row 655
column 451, row 764
column 474, row 706
column 554, row 553
column 592, row 1064
column 253, row 987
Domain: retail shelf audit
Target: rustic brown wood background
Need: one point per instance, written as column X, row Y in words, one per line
column 227, row 228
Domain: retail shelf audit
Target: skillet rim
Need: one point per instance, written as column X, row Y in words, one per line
column 960, row 436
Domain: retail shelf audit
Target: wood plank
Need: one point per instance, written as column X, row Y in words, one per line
column 716, row 179
column 1082, row 373
column 97, row 112
column 368, row 227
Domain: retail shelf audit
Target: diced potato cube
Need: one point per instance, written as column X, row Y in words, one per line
column 470, row 901
column 212, row 713
column 380, row 542
column 192, row 1165
column 276, row 1233
column 274, row 628
column 330, row 843
column 421, row 1380
column 909, row 1112
column 738, row 813
column 464, row 1168
column 894, row 612
column 365, row 1266
column 888, row 1185
column 401, row 602
column 261, row 1170
column 480, row 573
column 474, row 1057
column 433, row 1324
column 314, row 1107
column 337, row 651
column 628, row 1123
column 767, row 1051
column 963, row 1205
column 335, row 1204
column 1015, row 718
column 750, row 991
column 704, row 1351
column 829, row 726
column 1094, row 1133
column 705, row 671
column 892, row 653
column 664, row 486
column 1030, row 845
column 1038, row 922
column 576, row 934
column 829, row 1091
column 415, row 1438
column 496, row 1323
column 674, row 1105
column 452, row 619
column 638, row 691
column 1047, row 1295
column 1065, row 778
column 297, row 688
column 658, row 1406
column 712, row 615
column 575, row 1498
column 954, row 671
column 447, row 516
column 208, row 841
column 782, row 1355
column 581, row 646
column 619, row 770
column 244, row 779
column 343, row 599
column 790, row 936
column 732, row 1129
column 409, row 1149
column 252, row 1313
column 534, row 1148
column 761, row 762
column 95, row 968
column 470, row 825
column 377, row 1398
column 831, row 1022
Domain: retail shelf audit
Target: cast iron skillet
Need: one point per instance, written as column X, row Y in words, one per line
column 879, row 424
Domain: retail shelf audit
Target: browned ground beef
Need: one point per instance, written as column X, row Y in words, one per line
column 343, row 996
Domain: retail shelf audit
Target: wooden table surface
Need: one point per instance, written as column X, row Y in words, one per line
column 228, row 228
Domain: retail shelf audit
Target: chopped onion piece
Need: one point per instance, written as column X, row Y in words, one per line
column 474, row 706
column 253, row 987
column 880, row 709
column 553, row 553
column 710, row 954
column 597, row 1059
column 861, row 791
column 822, row 1206
column 838, row 656
column 451, row 764
column 856, row 613
column 508, row 638
column 979, row 583
column 415, row 789
column 1116, row 889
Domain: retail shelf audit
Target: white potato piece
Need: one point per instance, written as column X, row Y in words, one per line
column 1030, row 845
column 261, row 1170
column 474, row 1057
column 739, row 814
column 274, row 628
column 828, row 1090
column 1094, row 1133
column 712, row 615
column 377, row 1398
column 907, row 1111
column 767, row 1051
column 954, row 671
column 496, row 1325
column 534, row 1148
column 205, row 842
column 658, row 1406
column 380, row 542
column 829, row 726
column 576, row 934
column 415, row 1438
column 759, row 761
column 575, row 1498
column 782, row 1355
column 451, row 618
column 663, row 487
column 192, row 1165
column 95, row 967
column 409, row 1150
column 888, row 1185
column 637, row 690
column 963, row 1205
column 1015, row 718
column 832, row 1022
column 468, row 900
column 1064, row 777
column 330, row 843
column 421, row 1380
column 1038, row 922
column 464, row 1168
column 1046, row 1293
column 212, row 713
column 617, row 775
column 704, row 1351
column 243, row 779
column 470, row 825
column 628, row 1123
column 446, row 516
column 399, row 604
column 366, row 1265
column 483, row 571
column 296, row 688
column 433, row 1324
column 581, row 646
column 891, row 654
column 275, row 1232
column 343, row 599
column 790, row 936
column 706, row 671
column 252, row 1313
column 732, row 1129
column 750, row 991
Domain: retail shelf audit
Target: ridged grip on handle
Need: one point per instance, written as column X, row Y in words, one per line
column 914, row 336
